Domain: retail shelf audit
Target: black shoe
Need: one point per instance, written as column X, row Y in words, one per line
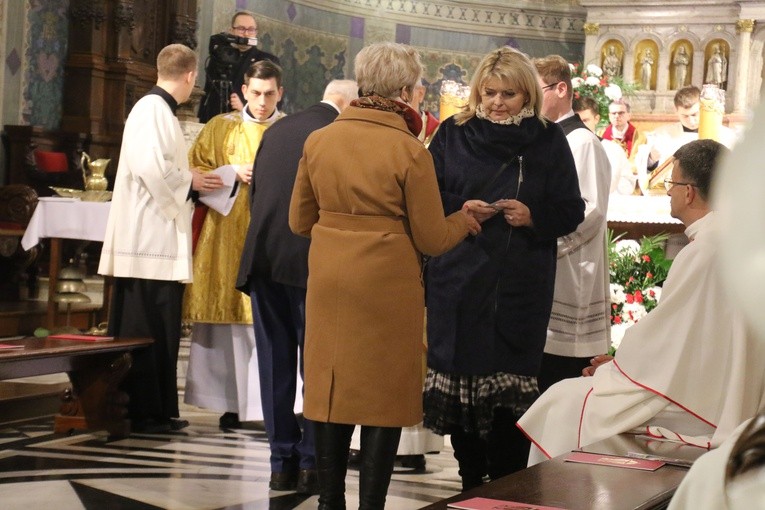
column 307, row 482
column 150, row 426
column 229, row 421
column 178, row 424
column 415, row 462
column 285, row 481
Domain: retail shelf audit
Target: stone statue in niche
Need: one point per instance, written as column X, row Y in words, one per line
column 717, row 67
column 646, row 68
column 681, row 62
column 612, row 64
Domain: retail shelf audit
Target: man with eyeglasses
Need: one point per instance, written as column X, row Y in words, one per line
column 621, row 130
column 690, row 371
column 580, row 322
column 224, row 80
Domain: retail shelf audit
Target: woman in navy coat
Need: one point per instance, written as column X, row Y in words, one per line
column 489, row 299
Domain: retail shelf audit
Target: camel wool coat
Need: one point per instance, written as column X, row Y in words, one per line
column 366, row 194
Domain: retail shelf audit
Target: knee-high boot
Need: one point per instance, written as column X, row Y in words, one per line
column 333, row 440
column 470, row 452
column 378, row 454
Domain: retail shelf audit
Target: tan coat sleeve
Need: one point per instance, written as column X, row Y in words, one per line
column 304, row 208
column 432, row 233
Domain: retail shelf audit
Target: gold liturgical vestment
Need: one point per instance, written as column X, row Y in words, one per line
column 213, row 298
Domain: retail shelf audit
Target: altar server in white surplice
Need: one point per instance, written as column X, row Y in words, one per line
column 580, row 322
column 689, row 371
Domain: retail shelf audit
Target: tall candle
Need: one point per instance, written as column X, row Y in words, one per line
column 711, row 111
column 454, row 98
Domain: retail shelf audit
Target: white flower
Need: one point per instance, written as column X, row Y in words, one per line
column 572, row 67
column 627, row 247
column 593, row 81
column 633, row 312
column 617, row 334
column 576, row 82
column 617, row 293
column 656, row 293
column 594, row 70
column 613, row 91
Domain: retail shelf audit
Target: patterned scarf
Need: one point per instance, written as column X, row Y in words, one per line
column 411, row 117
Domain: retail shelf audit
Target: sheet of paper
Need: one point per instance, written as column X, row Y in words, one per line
column 221, row 199
column 497, row 504
column 613, row 461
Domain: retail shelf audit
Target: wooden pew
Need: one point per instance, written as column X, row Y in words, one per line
column 592, row 487
column 95, row 369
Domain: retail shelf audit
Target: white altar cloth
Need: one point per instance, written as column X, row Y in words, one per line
column 68, row 219
column 640, row 209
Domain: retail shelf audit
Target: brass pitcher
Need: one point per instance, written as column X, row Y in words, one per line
column 94, row 173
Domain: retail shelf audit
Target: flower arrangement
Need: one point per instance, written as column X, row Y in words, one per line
column 591, row 81
column 637, row 271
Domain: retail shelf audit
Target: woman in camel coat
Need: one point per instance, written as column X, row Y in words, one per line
column 366, row 194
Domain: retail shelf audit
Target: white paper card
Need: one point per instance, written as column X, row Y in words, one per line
column 221, row 199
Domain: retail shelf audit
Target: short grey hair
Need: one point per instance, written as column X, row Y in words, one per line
column 386, row 68
column 348, row 89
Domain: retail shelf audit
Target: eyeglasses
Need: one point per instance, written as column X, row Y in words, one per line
column 245, row 30
column 669, row 183
column 546, row 87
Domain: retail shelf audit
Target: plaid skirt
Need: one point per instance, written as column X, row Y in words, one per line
column 467, row 402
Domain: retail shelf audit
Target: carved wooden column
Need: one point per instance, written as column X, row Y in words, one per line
column 744, row 27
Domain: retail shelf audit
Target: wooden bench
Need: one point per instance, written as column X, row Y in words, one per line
column 95, row 369
column 592, row 487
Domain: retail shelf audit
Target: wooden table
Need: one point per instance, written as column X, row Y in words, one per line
column 590, row 487
column 95, row 370
column 59, row 218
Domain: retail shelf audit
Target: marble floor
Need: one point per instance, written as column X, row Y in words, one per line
column 200, row 467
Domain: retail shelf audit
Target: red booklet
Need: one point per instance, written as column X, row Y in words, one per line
column 497, row 504
column 614, row 461
column 11, row 346
column 81, row 338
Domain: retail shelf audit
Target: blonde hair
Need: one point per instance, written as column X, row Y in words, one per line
column 386, row 68
column 174, row 61
column 506, row 64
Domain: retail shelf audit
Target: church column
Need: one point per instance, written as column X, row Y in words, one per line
column 591, row 31
column 744, row 27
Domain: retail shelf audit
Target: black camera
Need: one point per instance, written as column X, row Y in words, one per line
column 224, row 57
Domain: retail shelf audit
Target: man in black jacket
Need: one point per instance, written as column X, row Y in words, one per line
column 227, row 64
column 274, row 272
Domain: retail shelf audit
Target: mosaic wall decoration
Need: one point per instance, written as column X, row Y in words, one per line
column 44, row 56
column 309, row 58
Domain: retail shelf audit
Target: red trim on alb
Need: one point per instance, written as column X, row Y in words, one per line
column 662, row 395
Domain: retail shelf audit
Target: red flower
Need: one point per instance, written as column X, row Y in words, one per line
column 632, row 279
column 652, row 293
column 649, row 275
column 614, row 306
column 646, row 258
column 630, row 298
column 617, row 319
column 638, row 296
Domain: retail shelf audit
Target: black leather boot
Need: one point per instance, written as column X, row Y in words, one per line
column 470, row 452
column 333, row 440
column 378, row 454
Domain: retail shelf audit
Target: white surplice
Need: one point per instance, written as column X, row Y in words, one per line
column 689, row 371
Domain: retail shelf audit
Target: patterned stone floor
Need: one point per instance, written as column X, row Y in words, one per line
column 201, row 467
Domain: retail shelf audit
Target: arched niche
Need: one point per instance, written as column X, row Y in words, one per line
column 646, row 63
column 612, row 57
column 716, row 62
column 680, row 64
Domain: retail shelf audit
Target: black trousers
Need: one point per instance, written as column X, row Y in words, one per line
column 556, row 368
column 149, row 308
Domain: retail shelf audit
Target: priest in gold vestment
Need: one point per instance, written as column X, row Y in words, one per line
column 223, row 368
